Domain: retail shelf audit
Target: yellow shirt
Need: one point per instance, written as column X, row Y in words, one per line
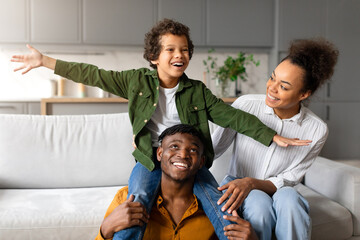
column 193, row 225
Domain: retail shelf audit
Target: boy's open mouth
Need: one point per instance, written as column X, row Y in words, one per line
column 178, row 64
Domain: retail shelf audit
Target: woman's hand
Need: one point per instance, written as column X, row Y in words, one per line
column 239, row 189
column 241, row 230
column 284, row 142
column 33, row 60
column 125, row 215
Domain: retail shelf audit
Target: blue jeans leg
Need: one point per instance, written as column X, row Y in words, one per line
column 257, row 210
column 205, row 189
column 144, row 185
column 292, row 211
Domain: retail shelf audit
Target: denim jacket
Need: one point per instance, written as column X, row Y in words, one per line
column 195, row 103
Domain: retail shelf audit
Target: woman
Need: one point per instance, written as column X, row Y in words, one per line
column 260, row 179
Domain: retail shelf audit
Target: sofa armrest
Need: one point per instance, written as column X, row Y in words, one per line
column 339, row 182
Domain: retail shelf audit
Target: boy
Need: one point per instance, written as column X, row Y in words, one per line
column 159, row 99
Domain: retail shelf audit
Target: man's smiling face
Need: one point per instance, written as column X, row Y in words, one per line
column 181, row 156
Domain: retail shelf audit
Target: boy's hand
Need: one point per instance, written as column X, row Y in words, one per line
column 33, row 60
column 284, row 142
column 239, row 189
column 125, row 215
column 241, row 230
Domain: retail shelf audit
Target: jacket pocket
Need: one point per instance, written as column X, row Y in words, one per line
column 141, row 99
column 197, row 113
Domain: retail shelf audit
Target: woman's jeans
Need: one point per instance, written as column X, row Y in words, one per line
column 145, row 185
column 286, row 212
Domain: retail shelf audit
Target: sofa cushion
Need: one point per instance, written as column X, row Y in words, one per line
column 65, row 151
column 53, row 213
column 329, row 219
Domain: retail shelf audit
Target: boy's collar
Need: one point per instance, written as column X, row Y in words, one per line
column 183, row 82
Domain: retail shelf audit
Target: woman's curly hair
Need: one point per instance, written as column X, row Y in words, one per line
column 152, row 46
column 317, row 57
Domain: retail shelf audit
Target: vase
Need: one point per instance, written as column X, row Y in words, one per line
column 222, row 88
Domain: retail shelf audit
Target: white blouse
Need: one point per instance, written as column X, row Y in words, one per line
column 282, row 166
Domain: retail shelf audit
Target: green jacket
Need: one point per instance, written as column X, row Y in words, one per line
column 194, row 101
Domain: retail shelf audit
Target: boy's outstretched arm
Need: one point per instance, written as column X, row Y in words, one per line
column 285, row 142
column 33, row 60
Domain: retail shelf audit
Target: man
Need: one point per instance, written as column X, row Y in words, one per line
column 176, row 214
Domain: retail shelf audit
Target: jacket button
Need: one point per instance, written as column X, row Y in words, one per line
column 140, row 94
column 195, row 108
column 154, row 104
column 145, row 121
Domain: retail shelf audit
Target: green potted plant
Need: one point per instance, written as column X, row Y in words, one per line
column 233, row 68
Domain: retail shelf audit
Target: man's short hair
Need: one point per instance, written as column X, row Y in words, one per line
column 181, row 128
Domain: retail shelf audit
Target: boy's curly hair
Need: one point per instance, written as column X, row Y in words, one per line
column 317, row 57
column 152, row 46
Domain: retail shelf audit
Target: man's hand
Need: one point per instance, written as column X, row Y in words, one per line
column 125, row 215
column 33, row 60
column 284, row 142
column 241, row 230
column 239, row 189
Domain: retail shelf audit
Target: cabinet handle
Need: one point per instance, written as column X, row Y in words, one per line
column 11, row 107
column 327, row 117
column 328, row 90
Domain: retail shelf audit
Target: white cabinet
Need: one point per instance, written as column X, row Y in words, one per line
column 189, row 12
column 117, row 21
column 11, row 108
column 244, row 23
column 54, row 21
column 8, row 107
column 14, row 18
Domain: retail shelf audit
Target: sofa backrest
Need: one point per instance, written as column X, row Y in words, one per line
column 65, row 151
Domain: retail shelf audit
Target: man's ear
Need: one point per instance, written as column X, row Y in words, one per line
column 159, row 152
column 203, row 159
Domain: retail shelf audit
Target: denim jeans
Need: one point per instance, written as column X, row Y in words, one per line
column 144, row 185
column 286, row 212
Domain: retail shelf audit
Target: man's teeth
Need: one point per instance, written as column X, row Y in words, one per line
column 180, row 164
column 178, row 64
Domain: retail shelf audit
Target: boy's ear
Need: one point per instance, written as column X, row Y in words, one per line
column 155, row 62
column 159, row 152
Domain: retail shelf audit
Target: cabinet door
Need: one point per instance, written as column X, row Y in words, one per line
column 33, row 108
column 300, row 19
column 244, row 23
column 54, row 21
column 14, row 21
column 189, row 12
column 344, row 31
column 11, row 108
column 344, row 133
column 117, row 21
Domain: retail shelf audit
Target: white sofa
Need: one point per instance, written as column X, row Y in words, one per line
column 58, row 174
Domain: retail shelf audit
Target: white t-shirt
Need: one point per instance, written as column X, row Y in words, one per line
column 165, row 115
